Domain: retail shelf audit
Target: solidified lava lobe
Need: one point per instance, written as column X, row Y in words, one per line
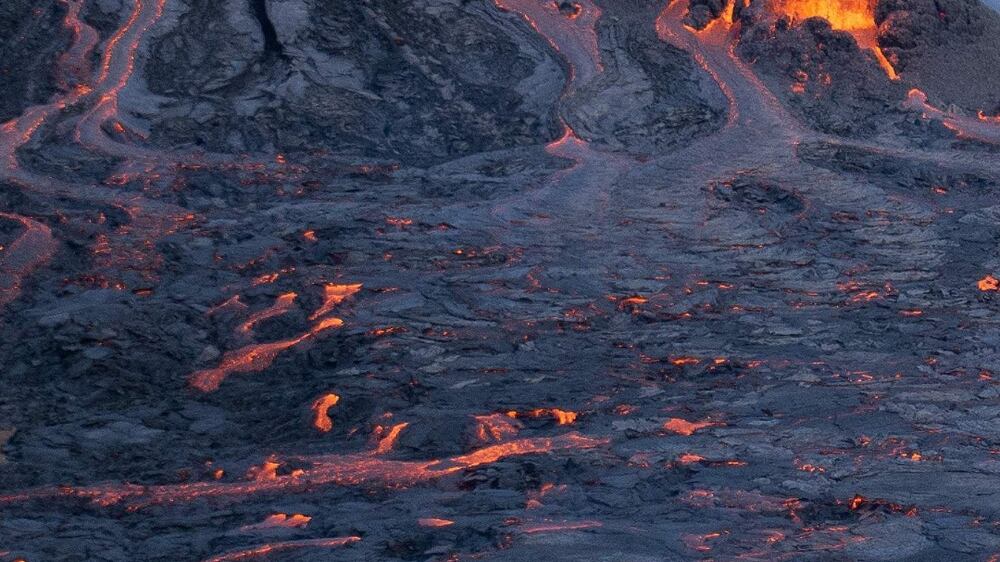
column 856, row 17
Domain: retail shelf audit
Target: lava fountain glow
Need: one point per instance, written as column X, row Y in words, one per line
column 856, row 17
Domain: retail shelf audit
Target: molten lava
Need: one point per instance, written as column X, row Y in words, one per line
column 434, row 522
column 320, row 408
column 30, row 250
column 976, row 128
column 334, row 294
column 684, row 427
column 281, row 305
column 856, row 17
column 562, row 417
column 344, row 470
column 268, row 549
column 255, row 358
column 989, row 284
column 279, row 521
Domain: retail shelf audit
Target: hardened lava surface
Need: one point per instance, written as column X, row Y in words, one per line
column 448, row 280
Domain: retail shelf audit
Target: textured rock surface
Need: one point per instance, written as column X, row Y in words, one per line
column 637, row 293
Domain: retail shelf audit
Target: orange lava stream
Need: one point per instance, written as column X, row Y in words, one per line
column 279, row 521
column 117, row 66
column 28, row 252
column 975, row 128
column 716, row 33
column 856, row 17
column 271, row 548
column 74, row 65
column 686, row 428
column 434, row 522
column 255, row 357
column 560, row 527
column 320, row 407
column 334, row 294
column 281, row 305
column 344, row 470
column 572, row 35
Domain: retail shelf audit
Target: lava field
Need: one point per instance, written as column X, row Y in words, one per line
column 514, row 280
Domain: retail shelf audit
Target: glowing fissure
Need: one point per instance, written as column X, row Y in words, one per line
column 342, row 470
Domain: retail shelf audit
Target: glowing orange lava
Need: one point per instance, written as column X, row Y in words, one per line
column 255, row 357
column 279, row 521
column 334, row 294
column 856, row 17
column 344, row 470
column 434, row 522
column 976, row 128
column 562, row 417
column 30, row 250
column 684, row 427
column 320, row 408
column 281, row 305
column 271, row 548
column 989, row 284
column 560, row 527
column 496, row 427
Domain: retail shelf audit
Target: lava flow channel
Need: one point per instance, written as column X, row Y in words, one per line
column 751, row 105
column 980, row 128
column 343, row 470
column 274, row 547
column 255, row 357
column 116, row 69
column 569, row 30
column 33, row 248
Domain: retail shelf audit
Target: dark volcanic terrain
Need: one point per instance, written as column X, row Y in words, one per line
column 448, row 280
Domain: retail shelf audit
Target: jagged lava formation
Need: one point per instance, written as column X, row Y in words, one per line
column 442, row 280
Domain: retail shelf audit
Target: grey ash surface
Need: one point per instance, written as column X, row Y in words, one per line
column 801, row 277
